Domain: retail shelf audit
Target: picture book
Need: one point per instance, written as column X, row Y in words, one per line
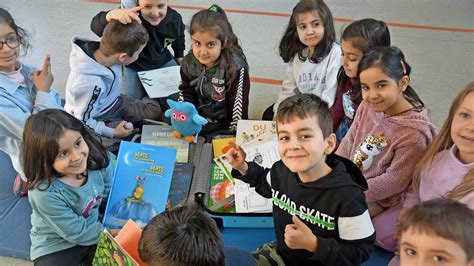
column 109, row 252
column 253, row 132
column 221, row 145
column 221, row 192
column 160, row 82
column 181, row 183
column 162, row 135
column 128, row 238
column 141, row 184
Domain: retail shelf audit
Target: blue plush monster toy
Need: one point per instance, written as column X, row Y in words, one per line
column 185, row 119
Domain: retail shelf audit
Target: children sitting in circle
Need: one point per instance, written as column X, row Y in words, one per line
column 214, row 74
column 390, row 131
column 314, row 58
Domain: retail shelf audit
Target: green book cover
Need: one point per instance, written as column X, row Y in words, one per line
column 109, row 252
column 221, row 192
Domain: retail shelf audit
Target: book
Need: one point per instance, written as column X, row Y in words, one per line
column 128, row 238
column 253, row 132
column 160, row 82
column 221, row 145
column 141, row 184
column 221, row 192
column 162, row 135
column 180, row 185
column 109, row 252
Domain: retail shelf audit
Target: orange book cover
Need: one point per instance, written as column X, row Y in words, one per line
column 221, row 145
column 128, row 238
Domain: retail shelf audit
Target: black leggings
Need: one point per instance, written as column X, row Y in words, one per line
column 78, row 255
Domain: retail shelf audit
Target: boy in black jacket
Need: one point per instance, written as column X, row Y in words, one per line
column 319, row 208
column 166, row 29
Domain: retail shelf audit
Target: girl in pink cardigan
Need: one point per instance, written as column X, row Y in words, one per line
column 391, row 130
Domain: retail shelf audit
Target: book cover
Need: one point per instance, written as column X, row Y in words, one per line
column 160, row 82
column 128, row 238
column 109, row 252
column 141, row 184
column 181, row 183
column 221, row 145
column 162, row 135
column 221, row 192
column 253, row 132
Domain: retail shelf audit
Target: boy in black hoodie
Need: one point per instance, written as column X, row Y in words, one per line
column 319, row 208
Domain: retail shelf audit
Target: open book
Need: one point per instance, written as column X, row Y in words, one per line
column 109, row 252
column 160, row 82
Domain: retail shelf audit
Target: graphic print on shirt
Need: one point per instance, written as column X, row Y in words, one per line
column 371, row 146
column 308, row 82
column 218, row 89
column 91, row 204
column 310, row 215
column 166, row 43
column 348, row 105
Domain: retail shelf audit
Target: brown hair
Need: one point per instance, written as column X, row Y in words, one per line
column 443, row 142
column 184, row 235
column 123, row 38
column 303, row 106
column 40, row 145
column 445, row 218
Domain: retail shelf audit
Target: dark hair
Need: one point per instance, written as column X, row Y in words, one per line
column 183, row 235
column 40, row 145
column 365, row 35
column 306, row 105
column 393, row 64
column 445, row 218
column 290, row 44
column 123, row 38
column 215, row 20
column 22, row 34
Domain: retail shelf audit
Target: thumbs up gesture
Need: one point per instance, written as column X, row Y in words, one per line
column 299, row 236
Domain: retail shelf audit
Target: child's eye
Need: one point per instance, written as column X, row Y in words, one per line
column 211, row 45
column 62, row 153
column 302, row 27
column 439, row 258
column 197, row 44
column 78, row 143
column 315, row 24
column 464, row 115
column 363, row 87
column 410, row 252
column 283, row 138
column 147, row 6
column 161, row 6
column 380, row 86
column 305, row 136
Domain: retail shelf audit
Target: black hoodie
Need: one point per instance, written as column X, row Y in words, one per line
column 333, row 207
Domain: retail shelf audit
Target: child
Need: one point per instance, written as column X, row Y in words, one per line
column 437, row 232
column 357, row 39
column 391, row 130
column 26, row 90
column 319, row 210
column 214, row 73
column 185, row 235
column 69, row 174
column 308, row 45
column 166, row 29
column 93, row 87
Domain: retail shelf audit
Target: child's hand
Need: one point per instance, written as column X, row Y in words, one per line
column 299, row 236
column 121, row 131
column 124, row 15
column 236, row 158
column 43, row 79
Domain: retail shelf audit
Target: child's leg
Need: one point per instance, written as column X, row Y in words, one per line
column 78, row 255
column 268, row 255
column 134, row 110
column 131, row 84
column 385, row 225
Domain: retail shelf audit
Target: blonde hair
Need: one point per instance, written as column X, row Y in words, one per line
column 443, row 142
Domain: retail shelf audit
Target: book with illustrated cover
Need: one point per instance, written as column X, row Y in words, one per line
column 109, row 252
column 221, row 145
column 128, row 238
column 160, row 82
column 181, row 183
column 254, row 132
column 162, row 135
column 141, row 184
column 221, row 192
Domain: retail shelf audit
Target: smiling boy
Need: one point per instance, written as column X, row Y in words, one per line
column 319, row 208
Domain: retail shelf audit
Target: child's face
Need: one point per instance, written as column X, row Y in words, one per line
column 462, row 129
column 310, row 28
column 351, row 57
column 153, row 11
column 381, row 92
column 72, row 155
column 303, row 148
column 417, row 248
column 127, row 60
column 8, row 55
column 206, row 47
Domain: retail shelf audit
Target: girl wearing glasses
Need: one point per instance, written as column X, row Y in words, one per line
column 24, row 89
